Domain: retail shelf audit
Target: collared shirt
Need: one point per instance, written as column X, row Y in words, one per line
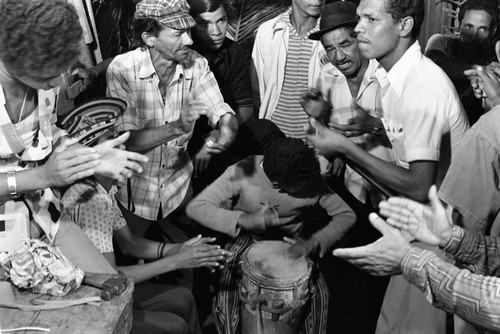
column 471, row 296
column 269, row 60
column 423, row 117
column 471, row 185
column 23, row 145
column 334, row 84
column 167, row 174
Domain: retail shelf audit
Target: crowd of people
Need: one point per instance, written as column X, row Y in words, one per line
column 336, row 113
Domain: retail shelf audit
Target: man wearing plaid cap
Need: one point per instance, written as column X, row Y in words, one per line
column 167, row 87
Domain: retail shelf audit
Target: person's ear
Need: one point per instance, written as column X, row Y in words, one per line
column 148, row 39
column 406, row 26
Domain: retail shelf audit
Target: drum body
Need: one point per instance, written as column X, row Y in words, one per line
column 273, row 290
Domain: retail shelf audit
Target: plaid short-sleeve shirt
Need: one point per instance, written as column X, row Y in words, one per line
column 166, row 177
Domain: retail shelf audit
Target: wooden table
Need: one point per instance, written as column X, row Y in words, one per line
column 114, row 316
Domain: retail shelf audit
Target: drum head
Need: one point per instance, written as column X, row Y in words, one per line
column 270, row 259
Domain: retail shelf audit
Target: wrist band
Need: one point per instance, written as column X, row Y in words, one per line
column 161, row 247
column 12, row 184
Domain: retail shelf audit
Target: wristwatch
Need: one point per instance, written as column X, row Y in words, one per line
column 12, row 184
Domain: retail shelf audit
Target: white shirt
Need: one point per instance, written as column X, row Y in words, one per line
column 423, row 116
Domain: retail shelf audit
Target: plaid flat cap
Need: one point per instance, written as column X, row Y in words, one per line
column 172, row 13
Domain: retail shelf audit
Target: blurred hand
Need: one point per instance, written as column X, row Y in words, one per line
column 302, row 248
column 315, row 105
column 118, row 164
column 326, row 142
column 429, row 224
column 382, row 257
column 201, row 161
column 68, row 163
column 360, row 124
column 190, row 112
column 485, row 82
column 336, row 167
column 88, row 75
column 258, row 222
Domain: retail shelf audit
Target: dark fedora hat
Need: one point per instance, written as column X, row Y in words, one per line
column 335, row 15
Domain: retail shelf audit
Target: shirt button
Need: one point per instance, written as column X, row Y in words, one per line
column 150, row 81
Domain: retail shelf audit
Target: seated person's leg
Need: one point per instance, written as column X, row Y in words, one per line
column 161, row 298
column 79, row 250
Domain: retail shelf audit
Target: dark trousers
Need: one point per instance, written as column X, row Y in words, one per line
column 160, row 308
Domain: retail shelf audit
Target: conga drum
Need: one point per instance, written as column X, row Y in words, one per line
column 273, row 290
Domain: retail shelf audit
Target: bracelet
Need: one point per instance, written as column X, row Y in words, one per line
column 161, row 247
column 210, row 142
column 12, row 184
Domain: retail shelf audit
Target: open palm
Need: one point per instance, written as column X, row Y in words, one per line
column 425, row 223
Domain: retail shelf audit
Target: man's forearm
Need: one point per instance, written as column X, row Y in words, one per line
column 403, row 181
column 474, row 298
column 475, row 251
column 147, row 139
column 228, row 128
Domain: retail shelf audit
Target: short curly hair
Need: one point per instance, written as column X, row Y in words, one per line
column 403, row 8
column 292, row 164
column 38, row 34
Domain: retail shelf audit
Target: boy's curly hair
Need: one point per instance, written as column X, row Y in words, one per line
column 291, row 163
column 38, row 34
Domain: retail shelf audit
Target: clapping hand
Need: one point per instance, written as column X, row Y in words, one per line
column 68, row 163
column 315, row 105
column 429, row 224
column 382, row 257
column 115, row 163
column 198, row 252
column 362, row 123
column 326, row 142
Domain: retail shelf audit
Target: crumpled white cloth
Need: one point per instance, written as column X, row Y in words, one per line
column 41, row 268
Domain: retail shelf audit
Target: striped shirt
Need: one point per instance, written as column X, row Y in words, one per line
column 167, row 175
column 334, row 84
column 289, row 115
column 472, row 296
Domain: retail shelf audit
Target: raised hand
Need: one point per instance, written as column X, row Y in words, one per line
column 485, row 82
column 429, row 224
column 68, row 163
column 315, row 105
column 326, row 142
column 382, row 257
column 88, row 75
column 360, row 124
column 190, row 112
column 115, row 163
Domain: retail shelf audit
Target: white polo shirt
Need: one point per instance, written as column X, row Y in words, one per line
column 423, row 116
